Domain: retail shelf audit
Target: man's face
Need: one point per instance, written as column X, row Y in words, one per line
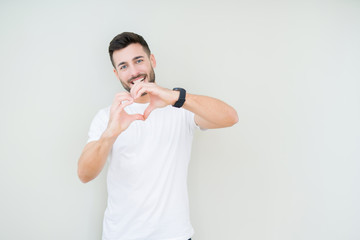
column 133, row 65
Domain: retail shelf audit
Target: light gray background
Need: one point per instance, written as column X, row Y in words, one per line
column 288, row 170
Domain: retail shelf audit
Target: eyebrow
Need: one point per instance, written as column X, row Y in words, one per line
column 135, row 58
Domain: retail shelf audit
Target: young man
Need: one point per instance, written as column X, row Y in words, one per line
column 147, row 132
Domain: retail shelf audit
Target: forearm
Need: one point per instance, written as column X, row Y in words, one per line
column 93, row 158
column 210, row 112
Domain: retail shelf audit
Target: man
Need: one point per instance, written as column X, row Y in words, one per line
column 147, row 134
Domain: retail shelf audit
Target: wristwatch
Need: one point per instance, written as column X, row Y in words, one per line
column 180, row 102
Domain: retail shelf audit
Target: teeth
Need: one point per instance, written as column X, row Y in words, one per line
column 139, row 80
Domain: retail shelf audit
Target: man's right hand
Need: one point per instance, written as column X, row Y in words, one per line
column 94, row 155
column 120, row 120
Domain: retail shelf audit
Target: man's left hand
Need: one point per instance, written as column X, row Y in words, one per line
column 159, row 97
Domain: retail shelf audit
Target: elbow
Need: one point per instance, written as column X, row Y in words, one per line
column 84, row 180
column 233, row 118
column 83, row 177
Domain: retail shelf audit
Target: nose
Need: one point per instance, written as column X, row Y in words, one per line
column 133, row 71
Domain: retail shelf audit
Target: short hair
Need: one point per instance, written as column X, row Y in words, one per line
column 123, row 40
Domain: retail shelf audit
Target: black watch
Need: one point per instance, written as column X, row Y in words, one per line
column 180, row 102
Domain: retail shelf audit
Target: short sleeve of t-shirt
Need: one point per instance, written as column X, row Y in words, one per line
column 191, row 119
column 98, row 124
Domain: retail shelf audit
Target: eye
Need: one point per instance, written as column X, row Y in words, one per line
column 122, row 67
column 139, row 61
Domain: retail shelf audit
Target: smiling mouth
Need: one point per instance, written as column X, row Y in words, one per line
column 137, row 80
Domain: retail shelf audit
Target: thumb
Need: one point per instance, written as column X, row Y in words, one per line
column 148, row 110
column 137, row 117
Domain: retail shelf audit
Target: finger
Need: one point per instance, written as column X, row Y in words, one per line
column 121, row 94
column 148, row 110
column 122, row 98
column 141, row 86
column 125, row 104
column 140, row 92
column 150, row 88
column 135, row 89
column 120, row 103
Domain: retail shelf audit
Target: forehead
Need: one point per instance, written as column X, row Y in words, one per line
column 129, row 53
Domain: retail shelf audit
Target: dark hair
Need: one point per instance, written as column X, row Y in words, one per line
column 125, row 39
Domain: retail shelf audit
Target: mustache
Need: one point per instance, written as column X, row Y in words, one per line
column 140, row 75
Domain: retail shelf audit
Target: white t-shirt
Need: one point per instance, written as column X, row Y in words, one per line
column 147, row 175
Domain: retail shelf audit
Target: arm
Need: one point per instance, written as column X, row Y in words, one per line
column 93, row 158
column 94, row 155
column 209, row 112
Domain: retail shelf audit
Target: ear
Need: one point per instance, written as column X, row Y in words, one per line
column 116, row 73
column 152, row 60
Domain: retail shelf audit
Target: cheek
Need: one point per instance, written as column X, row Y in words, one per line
column 147, row 69
column 123, row 76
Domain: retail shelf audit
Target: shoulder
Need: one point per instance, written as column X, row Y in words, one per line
column 102, row 114
column 105, row 111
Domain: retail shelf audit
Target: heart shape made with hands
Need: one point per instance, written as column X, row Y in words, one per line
column 121, row 119
column 145, row 114
column 158, row 97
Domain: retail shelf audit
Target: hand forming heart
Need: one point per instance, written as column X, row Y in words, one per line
column 158, row 97
column 120, row 120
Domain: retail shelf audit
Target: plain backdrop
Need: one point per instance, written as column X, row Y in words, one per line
column 290, row 169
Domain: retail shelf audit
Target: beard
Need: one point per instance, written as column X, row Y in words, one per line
column 150, row 77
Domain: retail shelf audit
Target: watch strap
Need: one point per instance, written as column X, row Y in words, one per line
column 180, row 102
